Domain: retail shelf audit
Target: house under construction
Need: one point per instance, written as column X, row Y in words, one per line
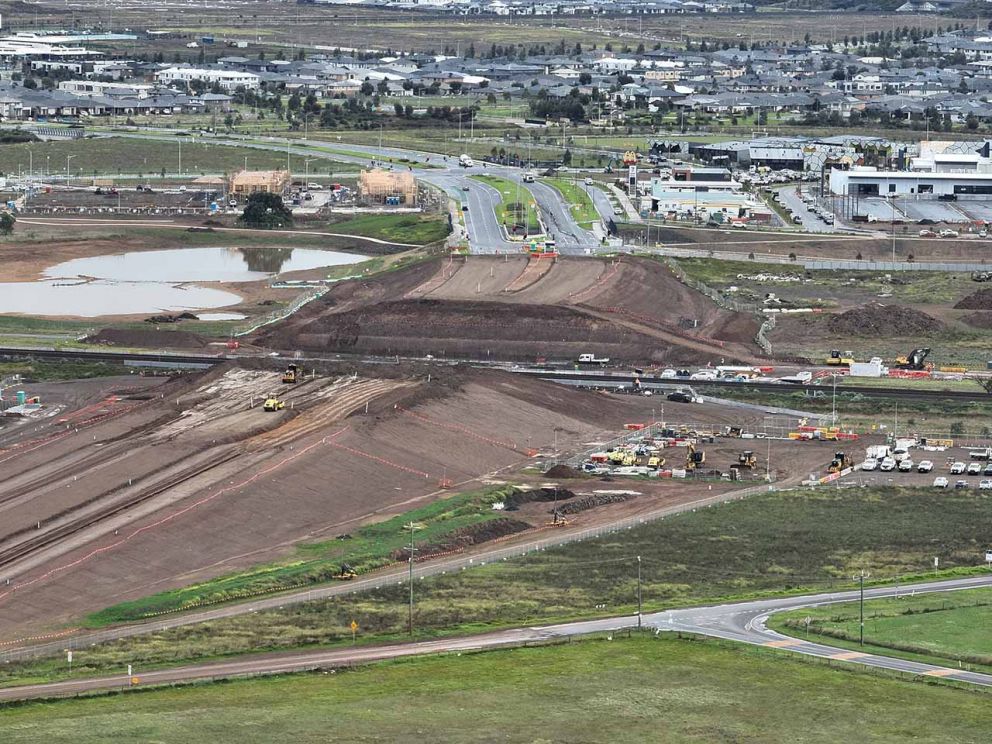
column 387, row 187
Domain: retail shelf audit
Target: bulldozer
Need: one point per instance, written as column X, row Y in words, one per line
column 273, row 404
column 694, row 458
column 747, row 459
column 291, row 375
column 915, row 360
column 346, row 573
column 840, row 359
column 839, row 462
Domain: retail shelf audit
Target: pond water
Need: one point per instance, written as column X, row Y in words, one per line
column 220, row 316
column 156, row 281
column 96, row 298
column 201, row 264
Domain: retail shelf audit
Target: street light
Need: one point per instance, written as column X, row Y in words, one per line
column 67, row 159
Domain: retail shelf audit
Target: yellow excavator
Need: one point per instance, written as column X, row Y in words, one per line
column 694, row 458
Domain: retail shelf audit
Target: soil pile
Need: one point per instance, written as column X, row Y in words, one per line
column 515, row 500
column 591, row 502
column 147, row 338
column 563, row 471
column 877, row 320
column 465, row 537
column 980, row 300
column 978, row 320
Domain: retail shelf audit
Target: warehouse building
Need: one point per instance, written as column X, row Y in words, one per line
column 873, row 182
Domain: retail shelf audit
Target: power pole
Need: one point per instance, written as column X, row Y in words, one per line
column 861, row 582
column 638, row 592
column 412, row 549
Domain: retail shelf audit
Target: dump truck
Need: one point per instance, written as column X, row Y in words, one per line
column 291, row 375
column 273, row 404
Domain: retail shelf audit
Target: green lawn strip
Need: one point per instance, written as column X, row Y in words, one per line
column 367, row 549
column 639, row 688
column 941, row 628
column 579, row 202
column 55, row 371
column 399, row 228
column 516, row 209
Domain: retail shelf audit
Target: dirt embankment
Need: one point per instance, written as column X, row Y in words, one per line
column 980, row 300
column 151, row 338
column 878, row 320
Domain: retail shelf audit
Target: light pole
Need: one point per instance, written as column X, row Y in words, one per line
column 412, row 527
column 861, row 581
column 180, row 143
column 67, row 159
column 638, row 592
column 30, row 165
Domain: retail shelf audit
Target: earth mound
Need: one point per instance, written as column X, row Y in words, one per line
column 875, row 320
column 980, row 300
column 147, row 338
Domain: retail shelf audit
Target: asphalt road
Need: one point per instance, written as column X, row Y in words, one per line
column 743, row 623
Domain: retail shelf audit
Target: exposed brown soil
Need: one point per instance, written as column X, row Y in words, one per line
column 593, row 500
column 563, row 471
column 147, row 338
column 978, row 320
column 875, row 319
column 480, row 307
column 519, row 498
column 980, row 300
column 465, row 537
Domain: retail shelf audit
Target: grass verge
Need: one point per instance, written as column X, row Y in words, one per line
column 579, row 202
column 517, row 211
column 639, row 688
column 400, row 228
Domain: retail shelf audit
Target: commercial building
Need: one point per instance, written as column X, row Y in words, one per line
column 873, row 182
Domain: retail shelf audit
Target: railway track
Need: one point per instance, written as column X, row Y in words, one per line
column 56, row 533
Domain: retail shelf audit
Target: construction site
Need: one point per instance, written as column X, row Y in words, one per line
column 131, row 486
column 515, row 308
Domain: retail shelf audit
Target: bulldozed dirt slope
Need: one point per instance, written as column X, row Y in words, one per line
column 510, row 308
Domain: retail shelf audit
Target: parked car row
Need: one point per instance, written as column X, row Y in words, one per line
column 888, row 464
column 942, row 482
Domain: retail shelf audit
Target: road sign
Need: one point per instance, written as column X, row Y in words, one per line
column 68, row 656
column 988, row 556
column 354, row 626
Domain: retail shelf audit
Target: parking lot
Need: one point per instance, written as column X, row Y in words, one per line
column 955, row 465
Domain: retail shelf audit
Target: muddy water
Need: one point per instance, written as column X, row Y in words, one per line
column 156, row 281
column 201, row 264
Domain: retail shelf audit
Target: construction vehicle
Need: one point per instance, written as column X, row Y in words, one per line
column 693, row 457
column 734, row 432
column 746, row 459
column 346, row 573
column 273, row 404
column 914, row 360
column 838, row 359
column 839, row 462
column 291, row 375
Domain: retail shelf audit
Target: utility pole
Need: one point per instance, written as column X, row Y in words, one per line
column 412, row 550
column 861, row 582
column 638, row 592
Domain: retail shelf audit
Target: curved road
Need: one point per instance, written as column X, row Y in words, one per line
column 743, row 622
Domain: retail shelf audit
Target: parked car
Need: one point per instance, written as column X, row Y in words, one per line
column 947, row 233
column 870, row 464
column 668, row 373
column 928, row 234
column 988, row 469
column 974, row 468
column 679, row 396
column 906, row 465
column 588, row 182
column 940, row 482
column 925, row 466
column 957, row 468
column 887, row 464
column 985, row 485
column 961, row 484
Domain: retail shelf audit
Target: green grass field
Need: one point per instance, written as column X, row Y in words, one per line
column 767, row 545
column 516, row 209
column 637, row 689
column 939, row 628
column 112, row 156
column 401, row 228
column 579, row 202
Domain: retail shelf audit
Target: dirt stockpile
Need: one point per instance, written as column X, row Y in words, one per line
column 515, row 500
column 563, row 471
column 980, row 300
column 592, row 501
column 147, row 338
column 978, row 320
column 455, row 328
column 879, row 320
column 465, row 537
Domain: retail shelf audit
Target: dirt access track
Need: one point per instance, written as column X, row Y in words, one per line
column 169, row 486
column 512, row 308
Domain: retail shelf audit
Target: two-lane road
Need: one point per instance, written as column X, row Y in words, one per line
column 741, row 622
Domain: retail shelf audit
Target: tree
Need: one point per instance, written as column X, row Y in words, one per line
column 266, row 211
column 7, row 221
column 585, row 78
column 30, row 82
column 367, row 89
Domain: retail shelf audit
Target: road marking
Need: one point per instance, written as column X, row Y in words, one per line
column 783, row 643
column 939, row 673
column 848, row 655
